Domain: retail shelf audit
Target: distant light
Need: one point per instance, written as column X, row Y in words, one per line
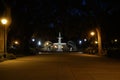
column 39, row 52
column 80, row 42
column 16, row 42
column 12, row 46
column 55, row 46
column 96, row 42
column 47, row 43
column 39, row 43
column 115, row 40
column 85, row 40
column 92, row 33
column 33, row 40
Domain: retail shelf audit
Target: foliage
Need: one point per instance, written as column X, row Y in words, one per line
column 1, row 58
column 114, row 53
column 10, row 56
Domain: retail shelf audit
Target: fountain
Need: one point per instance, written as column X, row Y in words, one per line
column 59, row 44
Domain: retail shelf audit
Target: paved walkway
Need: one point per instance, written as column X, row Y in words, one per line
column 74, row 66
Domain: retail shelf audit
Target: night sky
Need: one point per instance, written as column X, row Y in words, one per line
column 73, row 18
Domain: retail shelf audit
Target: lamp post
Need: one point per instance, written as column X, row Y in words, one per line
column 4, row 22
column 99, row 42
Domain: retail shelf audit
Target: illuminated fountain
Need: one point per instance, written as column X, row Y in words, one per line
column 59, row 45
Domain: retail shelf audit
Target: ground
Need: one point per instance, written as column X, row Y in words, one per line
column 69, row 66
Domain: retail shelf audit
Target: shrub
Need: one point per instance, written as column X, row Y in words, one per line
column 10, row 56
column 1, row 58
column 115, row 53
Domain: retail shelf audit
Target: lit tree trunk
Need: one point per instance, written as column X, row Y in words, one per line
column 99, row 40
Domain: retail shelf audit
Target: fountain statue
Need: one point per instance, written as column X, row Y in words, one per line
column 59, row 44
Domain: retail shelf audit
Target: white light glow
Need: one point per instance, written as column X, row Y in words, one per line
column 80, row 42
column 115, row 40
column 39, row 43
column 85, row 40
column 33, row 40
column 96, row 42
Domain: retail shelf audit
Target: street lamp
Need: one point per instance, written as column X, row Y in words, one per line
column 92, row 33
column 16, row 43
column 4, row 22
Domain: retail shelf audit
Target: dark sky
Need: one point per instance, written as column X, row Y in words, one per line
column 74, row 18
